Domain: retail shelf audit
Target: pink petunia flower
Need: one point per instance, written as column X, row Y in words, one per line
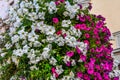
column 55, row 20
column 70, row 53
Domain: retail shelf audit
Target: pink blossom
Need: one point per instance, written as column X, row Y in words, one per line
column 70, row 53
column 83, row 58
column 90, row 71
column 86, row 77
column 68, row 63
column 64, row 35
column 87, row 42
column 59, row 32
column 78, row 50
column 116, row 78
column 55, row 20
column 79, row 75
column 87, row 35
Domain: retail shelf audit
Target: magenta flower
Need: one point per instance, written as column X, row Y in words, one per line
column 83, row 58
column 79, row 75
column 77, row 26
column 116, row 78
column 55, row 20
column 106, row 76
column 90, row 71
column 68, row 64
column 59, row 32
column 82, row 18
column 86, row 77
column 78, row 50
column 87, row 35
column 87, row 42
column 64, row 35
column 70, row 53
column 54, row 72
column 57, row 2
column 92, row 60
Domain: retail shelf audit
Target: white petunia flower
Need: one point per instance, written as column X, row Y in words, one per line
column 25, row 48
column 36, row 44
column 41, row 15
column 53, row 61
column 73, row 62
column 18, row 52
column 59, row 70
column 22, row 34
column 8, row 45
column 15, row 39
column 2, row 54
column 66, row 23
column 66, row 59
column 49, row 30
column 52, row 7
column 84, row 3
column 32, row 36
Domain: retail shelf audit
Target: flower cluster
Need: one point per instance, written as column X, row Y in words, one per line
column 55, row 40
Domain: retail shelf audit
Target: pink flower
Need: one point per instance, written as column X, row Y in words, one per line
column 90, row 71
column 77, row 26
column 86, row 77
column 83, row 58
column 57, row 2
column 116, row 78
column 79, row 75
column 87, row 35
column 64, row 35
column 87, row 42
column 106, row 76
column 78, row 50
column 54, row 72
column 92, row 60
column 55, row 20
column 59, row 32
column 68, row 63
column 70, row 53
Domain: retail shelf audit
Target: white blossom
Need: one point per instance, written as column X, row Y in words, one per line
column 66, row 23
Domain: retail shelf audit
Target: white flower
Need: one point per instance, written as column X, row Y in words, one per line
column 53, row 61
column 50, row 38
column 25, row 48
column 70, row 41
column 84, row 3
column 15, row 60
column 52, row 7
column 73, row 63
column 66, row 59
column 41, row 15
column 60, row 41
column 2, row 54
column 22, row 34
column 8, row 45
column 66, row 23
column 33, row 67
column 15, row 39
column 82, row 46
column 32, row 36
column 53, row 77
column 37, row 44
column 18, row 52
column 49, row 30
column 12, row 31
column 59, row 69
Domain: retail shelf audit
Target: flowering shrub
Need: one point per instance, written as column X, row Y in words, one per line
column 55, row 40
